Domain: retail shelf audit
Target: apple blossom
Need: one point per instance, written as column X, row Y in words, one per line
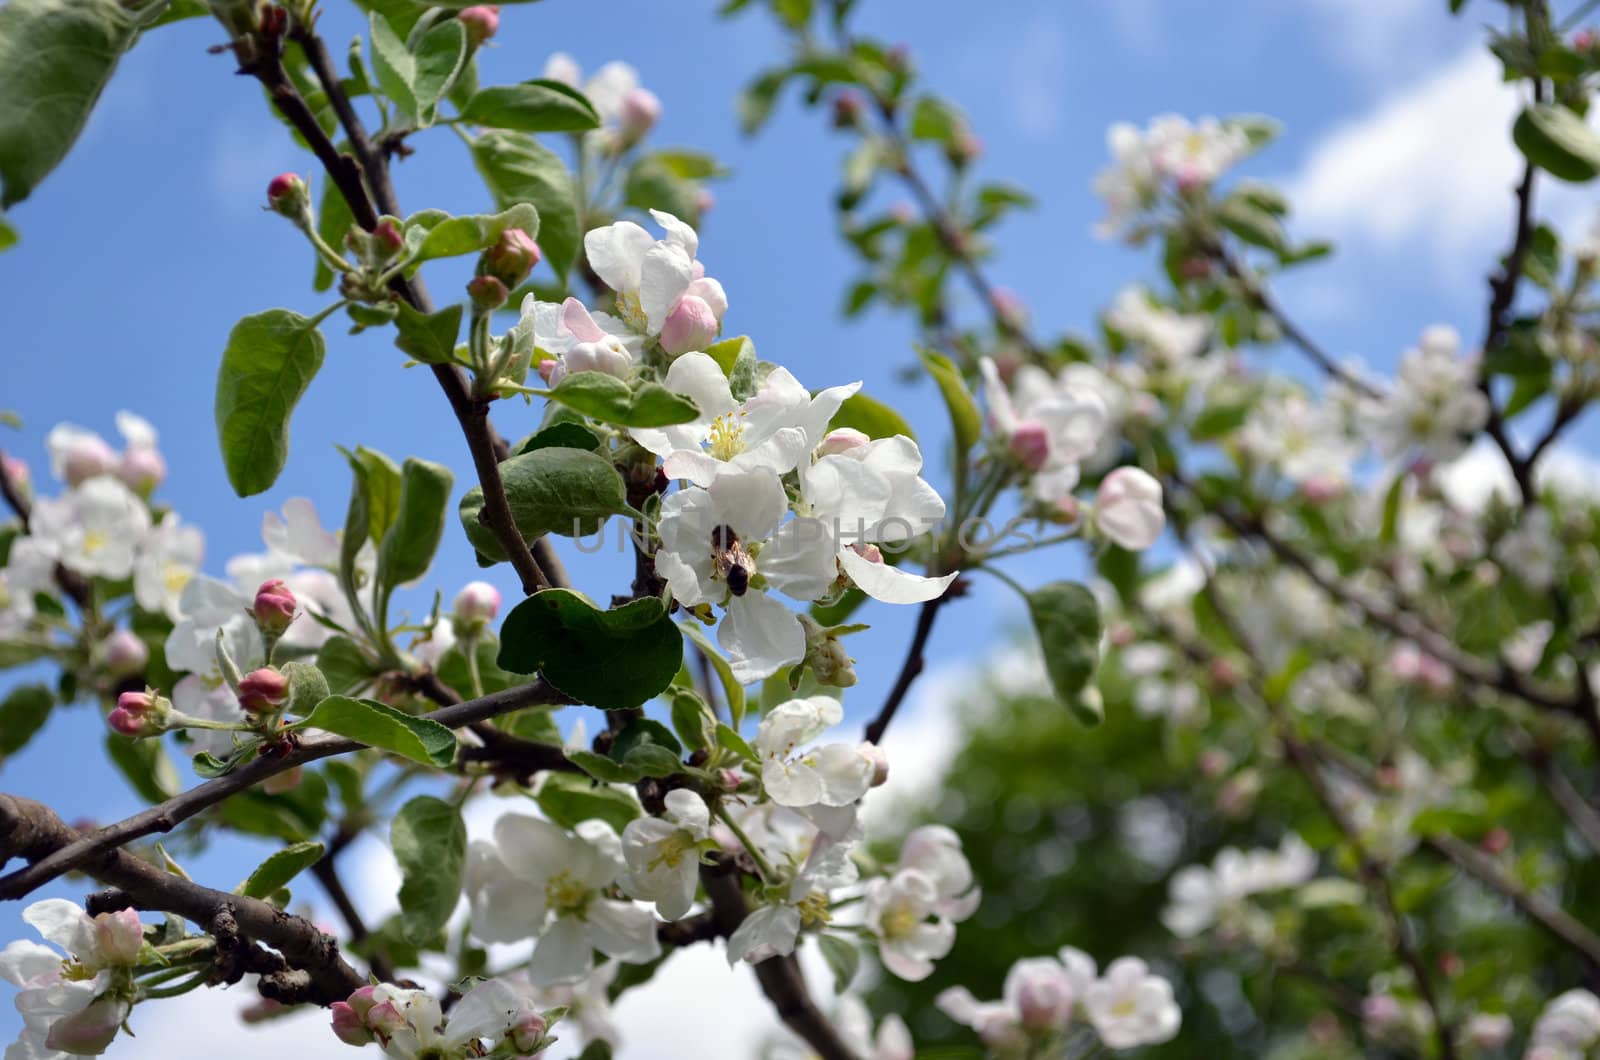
column 653, row 277
column 1073, row 419
column 275, row 607
column 663, row 854
column 1129, row 1006
column 1167, row 339
column 1568, row 1027
column 77, row 455
column 833, row 775
column 169, row 555
column 482, row 21
column 123, row 653
column 94, row 529
column 1199, row 897
column 579, row 341
column 901, row 914
column 1434, row 406
column 1128, row 510
column 73, row 1004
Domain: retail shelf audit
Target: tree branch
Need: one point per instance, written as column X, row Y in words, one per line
column 168, row 815
column 327, row 873
column 32, row 831
column 911, row 669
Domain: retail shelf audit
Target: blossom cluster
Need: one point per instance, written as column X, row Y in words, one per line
column 1200, row 897
column 72, row 1005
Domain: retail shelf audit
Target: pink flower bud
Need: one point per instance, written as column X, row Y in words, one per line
column 142, row 470
column 348, row 1026
column 1584, row 40
column 274, row 607
column 139, row 714
column 512, row 257
column 85, row 457
column 386, row 1019
column 487, row 292
column 965, row 148
column 387, row 235
column 1029, row 445
column 547, row 371
column 847, row 107
column 1122, row 634
column 126, row 722
column 641, row 109
column 1320, row 489
column 1043, row 994
column 1065, row 511
column 1009, row 307
column 1495, row 841
column 1128, row 508
column 263, row 691
column 690, row 326
column 477, row 601
column 704, row 201
column 729, row 779
column 481, row 22
column 119, row 937
column 880, row 763
column 362, row 1001
column 124, row 653
column 710, row 292
column 17, row 471
column 527, row 1032
column 89, row 1031
column 288, row 195
column 842, row 441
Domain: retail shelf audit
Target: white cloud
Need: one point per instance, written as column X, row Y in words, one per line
column 1431, row 167
column 1375, row 35
column 1481, row 472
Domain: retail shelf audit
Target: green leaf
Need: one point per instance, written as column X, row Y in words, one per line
column 145, row 765
column 550, row 491
column 283, row 866
column 22, row 714
column 737, row 358
column 964, row 417
column 307, row 687
column 730, row 740
column 1256, row 226
column 56, row 57
column 731, row 688
column 1558, row 141
column 8, row 235
column 690, row 719
column 688, row 164
column 758, row 100
column 844, row 960
column 1067, row 620
column 429, row 841
column 613, row 659
column 376, row 725
column 408, row 546
column 871, row 417
column 517, row 168
column 651, row 185
column 569, row 800
column 934, row 119
column 610, row 400
column 454, row 236
column 394, row 65
column 269, row 362
column 345, row 664
column 439, row 58
column 532, row 106
column 561, row 436
column 428, row 337
column 604, row 769
column 1389, row 530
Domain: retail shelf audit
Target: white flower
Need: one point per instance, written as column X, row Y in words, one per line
column 213, row 700
column 64, row 1003
column 773, row 430
column 901, row 913
column 823, row 863
column 1167, row 338
column 1198, row 896
column 1074, row 419
column 16, row 605
column 95, row 528
column 579, row 340
column 1489, row 1030
column 77, row 455
column 588, row 1004
column 1038, row 998
column 1568, row 1026
column 727, row 545
column 298, row 535
column 663, row 854
column 1530, row 550
column 769, row 931
column 1302, row 440
column 1435, row 406
column 562, row 877
column 657, row 281
column 169, row 557
column 834, row 775
column 208, row 606
column 1130, row 1007
column 1170, row 150
column 411, row 1024
column 1127, row 508
column 935, row 851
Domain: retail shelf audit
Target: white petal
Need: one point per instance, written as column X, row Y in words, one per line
column 689, row 811
column 563, row 955
column 663, row 277
column 698, row 377
column 798, row 560
column 891, row 584
column 26, row 962
column 679, row 234
column 63, row 923
column 751, row 502
column 768, row 932
column 760, row 635
column 616, row 252
column 624, row 931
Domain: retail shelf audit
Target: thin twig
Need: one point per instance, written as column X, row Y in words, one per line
column 910, row 669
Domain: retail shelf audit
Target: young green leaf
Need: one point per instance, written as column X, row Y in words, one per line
column 23, row 713
column 269, row 362
column 610, row 400
column 613, row 659
column 55, row 58
column 408, row 546
column 871, row 417
column 439, row 58
column 731, row 688
column 532, row 106
column 569, row 800
column 843, row 957
column 428, row 337
column 429, row 841
column 377, row 725
column 1556, row 140
column 454, row 236
column 518, row 168
column 275, row 872
column 1067, row 620
column 964, row 417
column 554, row 490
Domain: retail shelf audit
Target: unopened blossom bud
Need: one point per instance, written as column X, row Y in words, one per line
column 274, row 607
column 288, row 195
column 1387, row 778
column 481, row 21
column 1450, row 964
column 142, row 469
column 1127, row 508
column 386, row 1019
column 1489, row 1030
column 139, row 714
column 847, row 108
column 1223, row 673
column 1029, row 445
column 348, row 1026
column 124, row 653
column 511, row 258
column 1213, row 762
column 119, row 937
column 526, row 1034
column 85, row 456
column 1009, row 307
column 387, row 234
column 17, row 471
column 964, row 149
column 704, row 201
column 1043, row 993
column 477, row 600
column 880, row 763
column 487, row 292
column 709, row 291
column 547, row 370
column 362, row 1001
column 692, row 325
column 89, row 1031
column 1121, row 634
column 1495, row 841
column 263, row 691
column 640, row 111
column 1585, row 40
column 842, row 440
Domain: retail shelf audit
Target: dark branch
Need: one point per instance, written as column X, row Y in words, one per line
column 913, row 666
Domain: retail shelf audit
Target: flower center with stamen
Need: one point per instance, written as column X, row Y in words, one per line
column 727, row 436
column 175, row 576
column 94, row 541
column 632, row 313
column 898, row 921
column 814, row 911
column 672, row 850
column 566, row 895
column 1124, row 1008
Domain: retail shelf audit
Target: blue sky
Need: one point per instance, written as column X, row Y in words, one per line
column 143, row 249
